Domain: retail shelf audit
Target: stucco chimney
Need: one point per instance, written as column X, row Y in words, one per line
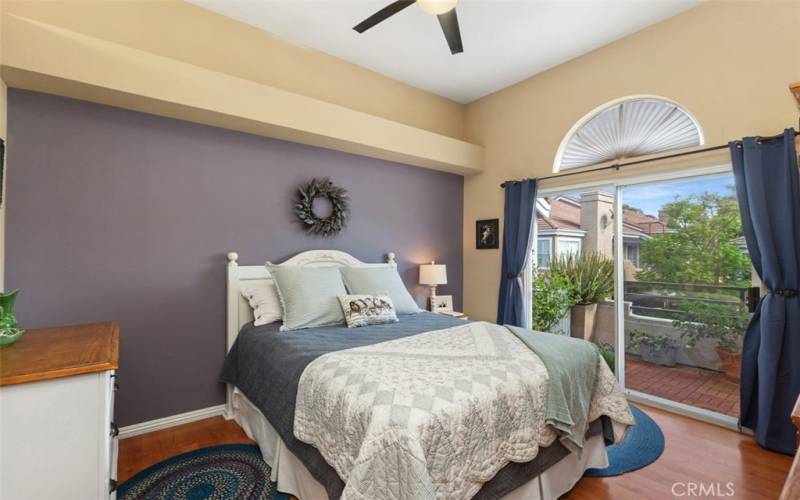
column 597, row 209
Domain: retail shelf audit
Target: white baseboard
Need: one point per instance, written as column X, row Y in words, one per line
column 171, row 421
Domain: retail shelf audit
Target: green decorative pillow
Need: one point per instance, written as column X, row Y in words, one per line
column 379, row 281
column 363, row 310
column 309, row 295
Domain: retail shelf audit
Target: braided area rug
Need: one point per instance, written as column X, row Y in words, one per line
column 224, row 472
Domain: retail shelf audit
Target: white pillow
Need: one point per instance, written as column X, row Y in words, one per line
column 263, row 298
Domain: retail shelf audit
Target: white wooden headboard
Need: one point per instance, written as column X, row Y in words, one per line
column 239, row 311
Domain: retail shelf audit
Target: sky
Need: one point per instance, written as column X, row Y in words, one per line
column 651, row 197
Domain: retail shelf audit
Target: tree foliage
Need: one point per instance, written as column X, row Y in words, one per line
column 699, row 246
column 723, row 323
column 631, row 208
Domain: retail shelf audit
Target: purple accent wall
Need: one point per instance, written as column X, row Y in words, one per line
column 118, row 215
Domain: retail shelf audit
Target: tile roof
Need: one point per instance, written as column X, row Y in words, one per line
column 565, row 213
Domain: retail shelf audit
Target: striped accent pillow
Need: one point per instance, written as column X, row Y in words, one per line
column 308, row 295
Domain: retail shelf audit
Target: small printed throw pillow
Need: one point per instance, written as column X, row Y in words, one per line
column 264, row 300
column 363, row 310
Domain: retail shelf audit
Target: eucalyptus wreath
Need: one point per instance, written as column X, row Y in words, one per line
column 304, row 207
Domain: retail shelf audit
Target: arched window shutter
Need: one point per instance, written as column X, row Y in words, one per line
column 625, row 128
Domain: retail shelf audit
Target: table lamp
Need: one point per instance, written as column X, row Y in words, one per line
column 433, row 274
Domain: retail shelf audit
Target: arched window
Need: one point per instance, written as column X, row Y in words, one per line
column 628, row 127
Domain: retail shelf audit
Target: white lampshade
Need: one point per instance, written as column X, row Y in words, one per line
column 433, row 274
column 436, row 7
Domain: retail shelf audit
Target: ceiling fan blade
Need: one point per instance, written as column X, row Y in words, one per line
column 382, row 15
column 449, row 22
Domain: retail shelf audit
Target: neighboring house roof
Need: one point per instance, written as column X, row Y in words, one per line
column 648, row 224
column 565, row 214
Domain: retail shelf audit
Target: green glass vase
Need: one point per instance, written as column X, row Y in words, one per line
column 9, row 331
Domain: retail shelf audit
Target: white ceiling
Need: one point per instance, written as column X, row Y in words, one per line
column 504, row 41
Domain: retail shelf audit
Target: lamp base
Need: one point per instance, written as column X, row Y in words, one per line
column 433, row 298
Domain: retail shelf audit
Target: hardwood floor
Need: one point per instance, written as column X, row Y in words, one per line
column 139, row 452
column 697, row 453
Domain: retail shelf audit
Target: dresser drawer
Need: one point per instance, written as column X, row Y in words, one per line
column 57, row 393
column 57, row 442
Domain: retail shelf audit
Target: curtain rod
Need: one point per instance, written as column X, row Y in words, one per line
column 617, row 166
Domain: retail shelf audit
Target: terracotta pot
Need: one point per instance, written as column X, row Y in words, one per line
column 581, row 321
column 731, row 363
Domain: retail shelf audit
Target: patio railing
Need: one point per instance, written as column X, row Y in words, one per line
column 664, row 300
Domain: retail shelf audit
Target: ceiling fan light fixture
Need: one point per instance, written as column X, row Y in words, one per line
column 436, row 7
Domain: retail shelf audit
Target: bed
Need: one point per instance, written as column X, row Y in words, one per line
column 272, row 390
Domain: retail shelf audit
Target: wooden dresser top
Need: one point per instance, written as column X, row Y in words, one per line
column 49, row 353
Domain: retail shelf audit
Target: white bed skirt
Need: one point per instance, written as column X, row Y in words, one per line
column 293, row 477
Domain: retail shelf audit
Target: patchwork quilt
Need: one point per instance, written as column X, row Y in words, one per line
column 444, row 410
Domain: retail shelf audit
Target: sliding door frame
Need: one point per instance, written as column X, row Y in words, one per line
column 618, row 184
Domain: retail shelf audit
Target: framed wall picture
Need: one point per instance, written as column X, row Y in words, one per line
column 487, row 234
column 443, row 303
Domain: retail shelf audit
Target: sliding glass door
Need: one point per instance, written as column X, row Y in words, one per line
column 687, row 289
column 678, row 261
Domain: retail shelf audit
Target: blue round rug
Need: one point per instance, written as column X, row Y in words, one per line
column 642, row 445
column 229, row 471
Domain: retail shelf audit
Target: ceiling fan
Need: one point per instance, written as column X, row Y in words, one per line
column 444, row 10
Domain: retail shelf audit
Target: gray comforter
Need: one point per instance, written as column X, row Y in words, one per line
column 266, row 366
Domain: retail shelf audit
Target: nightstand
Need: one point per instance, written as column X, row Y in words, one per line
column 453, row 314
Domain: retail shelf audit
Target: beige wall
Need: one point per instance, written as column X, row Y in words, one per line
column 729, row 63
column 187, row 33
column 46, row 51
column 174, row 59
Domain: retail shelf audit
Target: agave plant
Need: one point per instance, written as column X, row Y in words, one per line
column 590, row 275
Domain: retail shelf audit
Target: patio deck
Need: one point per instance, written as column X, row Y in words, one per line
column 693, row 386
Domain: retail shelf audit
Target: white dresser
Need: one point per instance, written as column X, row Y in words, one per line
column 58, row 440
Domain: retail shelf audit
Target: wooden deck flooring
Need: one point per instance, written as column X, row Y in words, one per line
column 693, row 386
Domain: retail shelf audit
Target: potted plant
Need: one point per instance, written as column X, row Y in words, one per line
column 9, row 333
column 552, row 299
column 590, row 279
column 657, row 349
column 725, row 324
